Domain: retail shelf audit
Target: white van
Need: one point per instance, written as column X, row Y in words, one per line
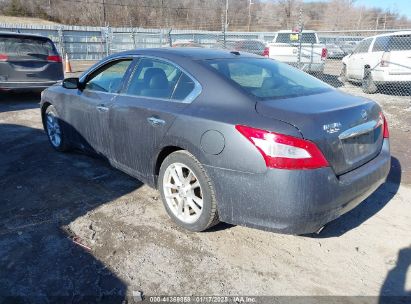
column 378, row 60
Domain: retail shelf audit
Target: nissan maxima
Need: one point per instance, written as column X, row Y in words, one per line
column 225, row 136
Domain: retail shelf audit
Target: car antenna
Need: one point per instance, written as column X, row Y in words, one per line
column 235, row 53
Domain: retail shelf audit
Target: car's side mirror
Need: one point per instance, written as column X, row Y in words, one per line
column 71, row 83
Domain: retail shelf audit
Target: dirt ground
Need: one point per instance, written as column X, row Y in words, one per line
column 131, row 245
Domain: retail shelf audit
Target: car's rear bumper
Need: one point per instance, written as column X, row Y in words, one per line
column 295, row 202
column 20, row 85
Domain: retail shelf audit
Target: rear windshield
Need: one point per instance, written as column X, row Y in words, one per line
column 295, row 38
column 23, row 46
column 392, row 43
column 268, row 79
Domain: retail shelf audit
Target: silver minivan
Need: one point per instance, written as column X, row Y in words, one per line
column 28, row 62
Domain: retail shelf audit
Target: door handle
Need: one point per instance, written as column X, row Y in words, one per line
column 102, row 108
column 154, row 121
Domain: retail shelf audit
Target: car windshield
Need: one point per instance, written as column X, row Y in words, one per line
column 268, row 79
column 22, row 46
column 295, row 38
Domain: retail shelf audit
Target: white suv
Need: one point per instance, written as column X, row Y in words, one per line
column 378, row 60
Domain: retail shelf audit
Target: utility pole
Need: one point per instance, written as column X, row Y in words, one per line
column 226, row 15
column 104, row 13
column 249, row 13
column 385, row 20
column 224, row 21
column 162, row 14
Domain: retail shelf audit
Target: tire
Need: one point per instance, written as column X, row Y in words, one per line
column 181, row 196
column 368, row 84
column 54, row 129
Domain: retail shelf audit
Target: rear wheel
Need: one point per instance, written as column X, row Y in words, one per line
column 54, row 130
column 187, row 192
column 368, row 84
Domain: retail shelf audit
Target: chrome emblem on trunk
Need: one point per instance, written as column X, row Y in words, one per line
column 332, row 127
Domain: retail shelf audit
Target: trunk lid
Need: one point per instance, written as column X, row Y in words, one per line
column 347, row 129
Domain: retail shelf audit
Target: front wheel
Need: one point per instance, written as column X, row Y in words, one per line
column 187, row 192
column 54, row 130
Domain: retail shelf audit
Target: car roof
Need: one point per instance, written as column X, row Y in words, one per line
column 392, row 34
column 189, row 53
column 15, row 34
column 290, row 31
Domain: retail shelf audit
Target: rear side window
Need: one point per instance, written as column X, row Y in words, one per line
column 23, row 46
column 153, row 78
column 267, row 79
column 363, row 46
column 109, row 77
column 184, row 87
column 399, row 43
column 159, row 79
column 295, row 38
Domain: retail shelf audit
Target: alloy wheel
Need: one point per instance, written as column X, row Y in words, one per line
column 53, row 129
column 183, row 194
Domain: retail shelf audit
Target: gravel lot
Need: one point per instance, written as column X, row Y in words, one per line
column 132, row 245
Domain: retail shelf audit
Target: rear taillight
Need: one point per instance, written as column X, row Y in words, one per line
column 386, row 132
column 54, row 58
column 324, row 54
column 283, row 151
column 385, row 59
column 266, row 52
column 4, row 57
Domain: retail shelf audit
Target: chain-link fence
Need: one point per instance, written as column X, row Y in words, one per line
column 358, row 61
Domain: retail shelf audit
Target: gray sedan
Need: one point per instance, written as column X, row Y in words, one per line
column 225, row 136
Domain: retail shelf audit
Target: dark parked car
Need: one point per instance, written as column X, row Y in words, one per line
column 334, row 51
column 28, row 62
column 225, row 136
column 250, row 46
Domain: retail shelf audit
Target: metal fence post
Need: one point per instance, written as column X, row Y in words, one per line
column 170, row 41
column 61, row 41
column 133, row 37
column 300, row 36
column 105, row 33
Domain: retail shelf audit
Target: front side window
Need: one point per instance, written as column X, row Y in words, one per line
column 158, row 79
column 109, row 77
column 267, row 79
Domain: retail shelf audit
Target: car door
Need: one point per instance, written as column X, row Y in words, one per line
column 157, row 92
column 90, row 107
column 357, row 60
